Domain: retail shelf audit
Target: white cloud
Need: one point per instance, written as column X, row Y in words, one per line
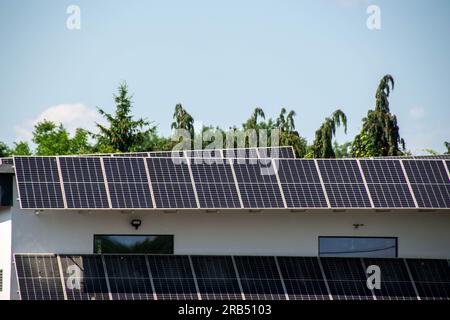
column 72, row 116
column 417, row 113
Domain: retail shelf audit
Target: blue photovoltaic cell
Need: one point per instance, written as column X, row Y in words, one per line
column 243, row 153
column 260, row 278
column 216, row 278
column 387, row 184
column 38, row 182
column 129, row 277
column 84, row 277
column 430, row 182
column 276, row 152
column 258, row 184
column 395, row 281
column 172, row 277
column 127, row 182
column 303, row 278
column 346, row 278
column 344, row 184
column 431, row 277
column 301, row 184
column 214, row 183
column 171, row 183
column 84, row 184
column 39, row 277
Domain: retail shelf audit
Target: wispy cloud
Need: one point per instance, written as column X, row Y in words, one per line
column 72, row 116
column 417, row 112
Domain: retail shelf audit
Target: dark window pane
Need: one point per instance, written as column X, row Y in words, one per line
column 357, row 247
column 154, row 244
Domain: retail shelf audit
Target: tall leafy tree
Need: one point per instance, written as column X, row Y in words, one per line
column 447, row 145
column 5, row 151
column 123, row 133
column 380, row 133
column 288, row 135
column 51, row 139
column 21, row 148
column 252, row 122
column 182, row 119
column 323, row 143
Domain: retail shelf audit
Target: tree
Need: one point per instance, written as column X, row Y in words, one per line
column 322, row 146
column 5, row 151
column 182, row 119
column 252, row 122
column 342, row 150
column 21, row 148
column 79, row 144
column 123, row 133
column 51, row 139
column 380, row 134
column 288, row 135
column 447, row 145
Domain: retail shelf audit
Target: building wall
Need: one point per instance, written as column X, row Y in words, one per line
column 5, row 251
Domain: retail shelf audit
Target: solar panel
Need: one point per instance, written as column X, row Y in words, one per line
column 172, row 277
column 276, row 152
column 128, row 277
column 346, row 278
column 431, row 277
column 215, row 184
column 244, row 153
column 171, row 183
column 260, row 278
column 38, row 182
column 207, row 153
column 84, row 277
column 127, row 183
column 166, row 154
column 216, row 278
column 395, row 281
column 344, row 184
column 430, row 182
column 387, row 184
column 301, row 184
column 303, row 278
column 136, row 154
column 258, row 185
column 84, row 184
column 39, row 277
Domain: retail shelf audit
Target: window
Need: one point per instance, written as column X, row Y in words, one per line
column 156, row 244
column 374, row 247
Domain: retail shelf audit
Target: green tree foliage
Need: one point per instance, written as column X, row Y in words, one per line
column 21, row 148
column 182, row 119
column 52, row 139
column 123, row 133
column 447, row 145
column 323, row 143
column 380, row 134
column 252, row 122
column 5, row 151
column 342, row 150
column 288, row 135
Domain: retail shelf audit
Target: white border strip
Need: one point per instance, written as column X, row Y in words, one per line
column 61, row 275
column 199, row 295
column 412, row 279
column 231, row 164
column 147, row 172
column 194, row 187
column 324, row 278
column 61, row 182
column 275, row 168
column 409, row 184
column 365, row 183
column 238, row 277
column 105, row 270
column 282, row 278
column 105, row 181
column 322, row 183
column 149, row 270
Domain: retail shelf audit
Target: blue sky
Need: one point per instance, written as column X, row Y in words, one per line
column 220, row 59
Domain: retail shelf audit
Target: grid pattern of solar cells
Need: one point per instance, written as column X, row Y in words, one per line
column 247, row 153
column 128, row 277
column 260, row 278
column 127, row 183
column 166, row 154
column 395, row 281
column 172, row 277
column 84, row 184
column 301, row 184
column 38, row 183
column 430, row 182
column 128, row 155
column 276, row 152
column 84, row 277
column 303, row 278
column 207, row 153
column 39, row 277
column 431, row 277
column 387, row 183
column 344, row 184
column 171, row 183
column 215, row 184
column 216, row 278
column 258, row 185
column 346, row 278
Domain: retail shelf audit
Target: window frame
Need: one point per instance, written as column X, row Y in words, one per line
column 132, row 235
column 356, row 237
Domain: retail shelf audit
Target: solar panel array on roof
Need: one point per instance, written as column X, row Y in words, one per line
column 216, row 183
column 430, row 182
column 174, row 277
column 344, row 184
column 387, row 183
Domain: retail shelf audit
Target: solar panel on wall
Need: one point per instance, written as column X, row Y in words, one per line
column 38, row 183
column 431, row 278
